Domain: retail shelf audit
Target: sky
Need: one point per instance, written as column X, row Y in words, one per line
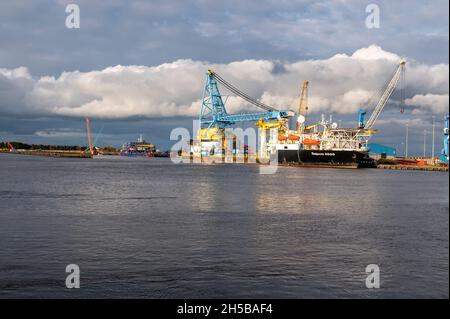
column 139, row 66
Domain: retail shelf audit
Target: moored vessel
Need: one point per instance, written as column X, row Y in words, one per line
column 138, row 148
column 329, row 158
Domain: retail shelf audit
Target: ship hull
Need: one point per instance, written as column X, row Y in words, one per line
column 133, row 154
column 315, row 158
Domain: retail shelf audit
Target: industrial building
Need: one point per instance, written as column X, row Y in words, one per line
column 381, row 151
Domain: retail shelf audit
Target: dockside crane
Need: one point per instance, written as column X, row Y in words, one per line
column 214, row 117
column 89, row 135
column 213, row 114
column 444, row 156
column 388, row 90
column 11, row 147
column 358, row 138
column 302, row 107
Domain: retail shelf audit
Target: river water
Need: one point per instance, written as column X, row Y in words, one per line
column 148, row 228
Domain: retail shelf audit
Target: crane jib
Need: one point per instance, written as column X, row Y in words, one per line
column 389, row 89
column 241, row 94
column 214, row 114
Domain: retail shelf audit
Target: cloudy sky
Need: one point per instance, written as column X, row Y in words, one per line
column 138, row 66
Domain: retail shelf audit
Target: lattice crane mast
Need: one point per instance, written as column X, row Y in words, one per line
column 89, row 133
column 389, row 89
column 213, row 113
column 11, row 147
column 302, row 107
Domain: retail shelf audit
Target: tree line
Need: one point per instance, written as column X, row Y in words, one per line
column 24, row 146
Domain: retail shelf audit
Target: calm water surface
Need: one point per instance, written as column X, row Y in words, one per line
column 147, row 228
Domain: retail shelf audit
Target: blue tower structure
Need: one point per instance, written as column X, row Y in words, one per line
column 444, row 156
column 361, row 117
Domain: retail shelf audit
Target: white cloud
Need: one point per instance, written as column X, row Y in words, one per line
column 374, row 52
column 17, row 73
column 438, row 103
column 340, row 84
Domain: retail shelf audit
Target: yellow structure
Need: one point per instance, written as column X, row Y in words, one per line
column 210, row 134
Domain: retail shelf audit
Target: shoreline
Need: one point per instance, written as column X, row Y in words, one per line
column 50, row 153
column 426, row 168
column 81, row 154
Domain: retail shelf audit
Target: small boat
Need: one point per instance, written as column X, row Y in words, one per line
column 308, row 141
column 408, row 162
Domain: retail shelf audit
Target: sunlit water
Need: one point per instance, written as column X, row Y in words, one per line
column 149, row 228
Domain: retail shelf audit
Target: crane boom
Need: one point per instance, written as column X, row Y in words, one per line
column 214, row 114
column 386, row 95
column 11, row 147
column 89, row 132
column 303, row 104
column 238, row 92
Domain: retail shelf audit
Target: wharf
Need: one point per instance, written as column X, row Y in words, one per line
column 428, row 168
column 50, row 153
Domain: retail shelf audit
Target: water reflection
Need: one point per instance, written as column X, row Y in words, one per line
column 148, row 228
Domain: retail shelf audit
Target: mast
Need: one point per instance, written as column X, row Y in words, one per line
column 89, row 132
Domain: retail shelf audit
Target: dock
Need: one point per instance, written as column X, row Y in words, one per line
column 50, row 153
column 428, row 168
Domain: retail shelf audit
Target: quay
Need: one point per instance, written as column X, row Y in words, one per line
column 50, row 153
column 428, row 168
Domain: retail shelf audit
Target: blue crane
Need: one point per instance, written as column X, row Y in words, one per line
column 444, row 157
column 389, row 88
column 213, row 113
column 361, row 118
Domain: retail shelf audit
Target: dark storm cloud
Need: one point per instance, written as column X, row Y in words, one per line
column 33, row 33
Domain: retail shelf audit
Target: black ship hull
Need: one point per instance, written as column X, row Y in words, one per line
column 314, row 158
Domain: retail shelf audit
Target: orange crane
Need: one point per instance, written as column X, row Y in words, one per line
column 89, row 132
column 302, row 107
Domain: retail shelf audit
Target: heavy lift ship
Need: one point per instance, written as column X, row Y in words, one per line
column 214, row 119
column 323, row 144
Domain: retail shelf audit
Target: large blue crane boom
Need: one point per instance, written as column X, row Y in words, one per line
column 214, row 114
